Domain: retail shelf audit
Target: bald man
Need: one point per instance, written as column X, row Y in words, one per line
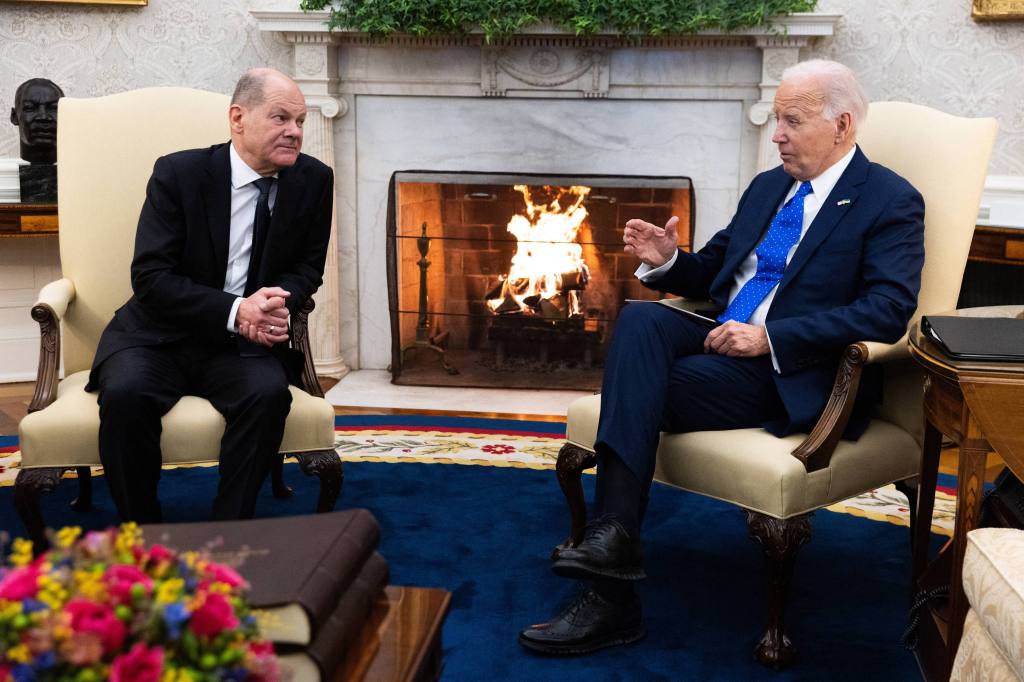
column 231, row 241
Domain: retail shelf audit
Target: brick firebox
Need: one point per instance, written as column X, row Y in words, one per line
column 465, row 217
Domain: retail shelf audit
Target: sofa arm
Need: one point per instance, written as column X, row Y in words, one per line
column 50, row 308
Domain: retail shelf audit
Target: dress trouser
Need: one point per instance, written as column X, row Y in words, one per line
column 138, row 386
column 657, row 378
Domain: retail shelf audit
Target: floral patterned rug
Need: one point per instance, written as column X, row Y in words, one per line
column 517, row 444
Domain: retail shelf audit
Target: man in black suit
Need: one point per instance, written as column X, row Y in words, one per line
column 231, row 240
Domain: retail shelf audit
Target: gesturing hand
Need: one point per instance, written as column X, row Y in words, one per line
column 737, row 340
column 263, row 318
column 652, row 244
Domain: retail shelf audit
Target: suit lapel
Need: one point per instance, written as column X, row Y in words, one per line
column 830, row 214
column 217, row 199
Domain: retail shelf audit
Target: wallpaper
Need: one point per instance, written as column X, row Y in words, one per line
column 99, row 50
column 916, row 50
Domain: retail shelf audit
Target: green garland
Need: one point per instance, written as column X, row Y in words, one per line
column 497, row 18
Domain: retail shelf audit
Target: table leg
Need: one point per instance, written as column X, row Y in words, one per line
column 921, row 538
column 970, row 486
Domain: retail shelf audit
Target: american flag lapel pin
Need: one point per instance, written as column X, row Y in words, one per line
column 842, row 202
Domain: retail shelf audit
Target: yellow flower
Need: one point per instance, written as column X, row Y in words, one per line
column 21, row 552
column 66, row 536
column 19, row 654
column 169, row 590
column 9, row 609
column 127, row 538
column 219, row 587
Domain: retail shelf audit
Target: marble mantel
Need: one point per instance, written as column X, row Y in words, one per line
column 540, row 101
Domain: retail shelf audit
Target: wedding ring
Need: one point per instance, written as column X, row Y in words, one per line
column 271, row 329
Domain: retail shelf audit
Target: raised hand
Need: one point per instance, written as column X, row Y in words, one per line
column 652, row 244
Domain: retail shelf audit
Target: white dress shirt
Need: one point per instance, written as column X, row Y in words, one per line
column 244, row 194
column 822, row 186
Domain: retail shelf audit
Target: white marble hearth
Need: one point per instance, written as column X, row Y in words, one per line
column 545, row 101
column 372, row 388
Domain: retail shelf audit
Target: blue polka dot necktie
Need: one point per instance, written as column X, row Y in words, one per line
column 771, row 257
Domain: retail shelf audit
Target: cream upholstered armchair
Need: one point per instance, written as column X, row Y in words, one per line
column 779, row 482
column 106, row 147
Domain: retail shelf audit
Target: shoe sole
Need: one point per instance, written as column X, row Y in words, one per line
column 568, row 568
column 613, row 639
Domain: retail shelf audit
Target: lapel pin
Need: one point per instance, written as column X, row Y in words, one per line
column 842, row 202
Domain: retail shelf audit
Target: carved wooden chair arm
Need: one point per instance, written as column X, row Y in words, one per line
column 816, row 450
column 53, row 302
column 300, row 342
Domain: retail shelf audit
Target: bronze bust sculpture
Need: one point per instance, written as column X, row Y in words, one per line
column 35, row 114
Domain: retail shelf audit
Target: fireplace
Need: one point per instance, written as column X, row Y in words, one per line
column 515, row 280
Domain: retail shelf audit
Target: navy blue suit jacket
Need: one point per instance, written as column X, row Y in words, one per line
column 855, row 276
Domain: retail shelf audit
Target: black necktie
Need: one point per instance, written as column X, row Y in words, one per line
column 260, row 227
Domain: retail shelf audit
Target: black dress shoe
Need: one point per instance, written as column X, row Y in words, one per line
column 606, row 551
column 590, row 623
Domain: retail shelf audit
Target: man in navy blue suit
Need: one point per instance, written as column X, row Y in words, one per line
column 823, row 251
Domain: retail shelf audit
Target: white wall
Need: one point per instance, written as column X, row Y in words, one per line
column 916, row 50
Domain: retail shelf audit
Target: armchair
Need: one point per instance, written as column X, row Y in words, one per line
column 779, row 482
column 105, row 153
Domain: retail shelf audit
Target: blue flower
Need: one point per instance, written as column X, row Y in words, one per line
column 175, row 615
column 23, row 673
column 46, row 660
column 29, row 605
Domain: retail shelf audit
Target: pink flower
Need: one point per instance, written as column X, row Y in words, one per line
column 262, row 663
column 88, row 616
column 82, row 649
column 120, row 578
column 158, row 553
column 225, row 574
column 20, row 583
column 213, row 617
column 138, row 665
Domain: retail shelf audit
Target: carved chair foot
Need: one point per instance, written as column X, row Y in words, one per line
column 327, row 466
column 29, row 487
column 280, row 489
column 780, row 540
column 83, row 502
column 572, row 461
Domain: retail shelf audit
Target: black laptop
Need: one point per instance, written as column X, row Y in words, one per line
column 977, row 338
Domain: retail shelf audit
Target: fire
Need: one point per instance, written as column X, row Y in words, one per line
column 548, row 264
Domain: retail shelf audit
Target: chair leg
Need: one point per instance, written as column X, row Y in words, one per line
column 281, row 489
column 909, row 488
column 572, row 460
column 83, row 502
column 327, row 466
column 780, row 540
column 29, row 486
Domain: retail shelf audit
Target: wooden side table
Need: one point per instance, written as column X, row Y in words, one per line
column 980, row 407
column 28, row 220
column 401, row 640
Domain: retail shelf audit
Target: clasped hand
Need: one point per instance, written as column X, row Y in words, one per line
column 263, row 318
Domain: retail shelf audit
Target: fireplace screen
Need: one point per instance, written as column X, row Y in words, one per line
column 515, row 280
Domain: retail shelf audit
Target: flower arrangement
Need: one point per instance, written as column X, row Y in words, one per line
column 103, row 607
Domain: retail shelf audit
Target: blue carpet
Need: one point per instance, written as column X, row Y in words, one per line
column 485, row 533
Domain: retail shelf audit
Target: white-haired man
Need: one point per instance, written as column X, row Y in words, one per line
column 823, row 251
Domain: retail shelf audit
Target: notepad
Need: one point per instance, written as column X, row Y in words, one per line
column 977, row 338
column 705, row 317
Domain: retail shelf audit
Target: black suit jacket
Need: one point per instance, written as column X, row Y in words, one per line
column 181, row 251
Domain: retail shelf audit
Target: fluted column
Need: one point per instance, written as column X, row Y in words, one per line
column 778, row 53
column 314, row 68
